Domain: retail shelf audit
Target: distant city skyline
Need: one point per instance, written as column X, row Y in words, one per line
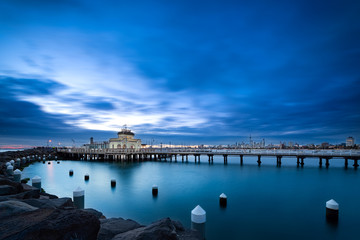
column 181, row 71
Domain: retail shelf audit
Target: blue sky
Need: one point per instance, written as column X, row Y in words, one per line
column 179, row 71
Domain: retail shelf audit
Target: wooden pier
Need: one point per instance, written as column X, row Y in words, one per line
column 183, row 154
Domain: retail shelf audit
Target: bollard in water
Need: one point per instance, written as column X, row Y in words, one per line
column 10, row 170
column 332, row 210
column 86, row 177
column 71, row 172
column 36, row 182
column 223, row 200
column 17, row 175
column 113, row 182
column 198, row 220
column 154, row 190
column 79, row 198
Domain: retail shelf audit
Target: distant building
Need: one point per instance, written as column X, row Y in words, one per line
column 125, row 139
column 325, row 145
column 96, row 145
column 350, row 142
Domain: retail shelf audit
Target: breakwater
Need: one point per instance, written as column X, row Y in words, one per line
column 29, row 213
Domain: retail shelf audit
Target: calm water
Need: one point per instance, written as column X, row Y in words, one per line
column 263, row 202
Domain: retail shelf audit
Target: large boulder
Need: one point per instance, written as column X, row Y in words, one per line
column 113, row 226
column 50, row 203
column 51, row 224
column 162, row 229
column 16, row 186
column 12, row 207
column 7, row 189
column 98, row 214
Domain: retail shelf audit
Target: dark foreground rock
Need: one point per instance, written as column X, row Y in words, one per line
column 162, row 229
column 51, row 224
column 113, row 226
column 10, row 208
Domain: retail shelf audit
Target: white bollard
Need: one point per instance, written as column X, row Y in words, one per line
column 17, row 175
column 18, row 162
column 223, row 200
column 79, row 198
column 198, row 220
column 10, row 170
column 12, row 162
column 332, row 210
column 36, row 182
column 155, row 190
column 23, row 160
column 8, row 164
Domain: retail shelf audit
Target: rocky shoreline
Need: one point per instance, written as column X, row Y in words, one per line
column 28, row 213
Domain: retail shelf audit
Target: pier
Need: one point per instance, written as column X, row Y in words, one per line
column 186, row 154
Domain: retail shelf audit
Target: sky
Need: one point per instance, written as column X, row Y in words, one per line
column 185, row 72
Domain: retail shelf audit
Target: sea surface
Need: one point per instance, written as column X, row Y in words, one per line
column 265, row 202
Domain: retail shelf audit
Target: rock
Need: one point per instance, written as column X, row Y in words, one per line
column 162, row 229
column 93, row 211
column 178, row 226
column 12, row 207
column 50, row 203
column 48, row 196
column 51, row 224
column 17, row 186
column 189, row 235
column 7, row 189
column 113, row 226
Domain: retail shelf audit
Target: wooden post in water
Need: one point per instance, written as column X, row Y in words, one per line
column 356, row 163
column 259, row 160
column 320, row 162
column 327, row 164
column 241, row 159
column 346, row 163
column 225, row 158
column 298, row 161
column 278, row 161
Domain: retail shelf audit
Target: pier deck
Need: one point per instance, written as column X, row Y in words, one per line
column 146, row 154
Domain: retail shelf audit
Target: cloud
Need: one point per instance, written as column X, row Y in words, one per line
column 180, row 68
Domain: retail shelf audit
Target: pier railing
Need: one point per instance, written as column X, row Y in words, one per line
column 191, row 151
